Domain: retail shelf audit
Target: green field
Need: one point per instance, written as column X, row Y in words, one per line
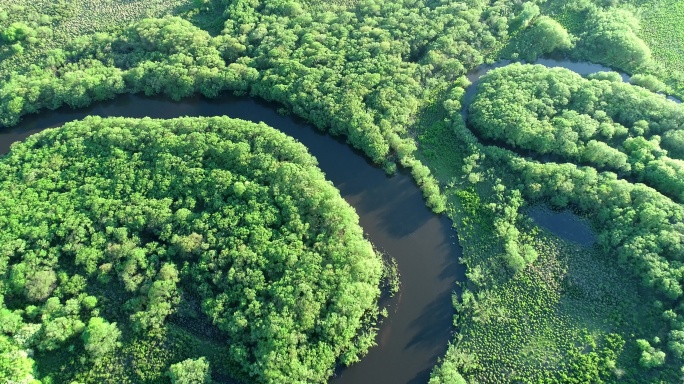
column 662, row 27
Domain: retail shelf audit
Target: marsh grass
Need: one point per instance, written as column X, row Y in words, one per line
column 556, row 317
column 662, row 27
column 571, row 315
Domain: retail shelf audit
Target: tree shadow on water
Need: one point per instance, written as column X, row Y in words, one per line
column 453, row 269
column 435, row 324
column 421, row 377
column 405, row 215
column 402, row 209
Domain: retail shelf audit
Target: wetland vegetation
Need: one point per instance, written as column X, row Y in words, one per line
column 390, row 78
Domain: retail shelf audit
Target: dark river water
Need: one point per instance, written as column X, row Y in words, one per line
column 392, row 213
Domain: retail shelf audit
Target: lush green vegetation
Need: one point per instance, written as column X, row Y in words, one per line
column 607, row 124
column 569, row 309
column 360, row 73
column 663, row 30
column 636, row 36
column 114, row 229
column 389, row 76
column 556, row 115
column 30, row 29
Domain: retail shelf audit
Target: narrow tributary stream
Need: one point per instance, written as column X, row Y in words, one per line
column 392, row 213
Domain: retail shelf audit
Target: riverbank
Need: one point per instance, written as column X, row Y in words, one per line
column 569, row 314
column 392, row 213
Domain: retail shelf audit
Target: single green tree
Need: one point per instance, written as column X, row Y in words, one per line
column 100, row 337
column 39, row 285
column 190, row 371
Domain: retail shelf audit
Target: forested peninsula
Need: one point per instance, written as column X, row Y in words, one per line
column 113, row 225
column 201, row 250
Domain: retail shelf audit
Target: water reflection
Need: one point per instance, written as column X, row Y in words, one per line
column 564, row 224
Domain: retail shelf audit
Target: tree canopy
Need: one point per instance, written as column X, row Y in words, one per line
column 190, row 371
column 600, row 122
column 108, row 224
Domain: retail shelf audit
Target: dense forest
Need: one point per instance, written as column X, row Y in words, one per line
column 136, row 236
column 630, row 183
column 117, row 234
column 602, row 122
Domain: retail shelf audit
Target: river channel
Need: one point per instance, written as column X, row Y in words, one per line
column 392, row 213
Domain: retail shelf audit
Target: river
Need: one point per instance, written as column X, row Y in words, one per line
column 392, row 213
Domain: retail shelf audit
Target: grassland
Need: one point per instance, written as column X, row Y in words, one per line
column 564, row 318
column 662, row 28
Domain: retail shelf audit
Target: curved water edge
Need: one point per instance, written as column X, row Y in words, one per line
column 582, row 68
column 392, row 213
column 564, row 224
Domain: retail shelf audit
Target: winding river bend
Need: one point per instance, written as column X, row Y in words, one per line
column 392, row 213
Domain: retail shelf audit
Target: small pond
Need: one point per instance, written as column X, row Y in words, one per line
column 564, row 224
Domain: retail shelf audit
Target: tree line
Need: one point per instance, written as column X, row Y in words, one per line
column 601, row 121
